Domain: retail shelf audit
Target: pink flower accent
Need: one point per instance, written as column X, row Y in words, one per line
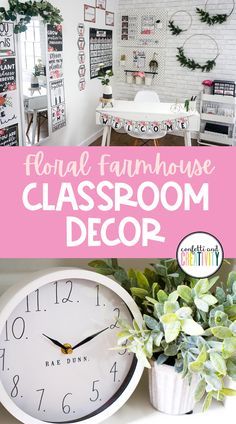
column 2, row 132
column 139, row 74
column 207, row 83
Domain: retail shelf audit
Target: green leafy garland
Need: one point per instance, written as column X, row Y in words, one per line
column 50, row 14
column 210, row 20
column 191, row 64
column 175, row 30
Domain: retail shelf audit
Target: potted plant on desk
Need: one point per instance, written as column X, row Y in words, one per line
column 188, row 337
column 105, row 78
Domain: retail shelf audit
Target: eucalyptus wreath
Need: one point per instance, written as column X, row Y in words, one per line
column 209, row 19
column 175, row 29
column 191, row 63
column 50, row 14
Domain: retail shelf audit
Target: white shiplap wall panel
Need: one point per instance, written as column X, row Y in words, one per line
column 179, row 82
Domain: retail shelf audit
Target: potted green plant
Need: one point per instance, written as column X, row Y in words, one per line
column 35, row 75
column 188, row 337
column 122, row 60
column 105, row 78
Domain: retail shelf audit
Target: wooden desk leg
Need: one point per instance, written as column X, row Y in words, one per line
column 187, row 139
column 35, row 119
column 105, row 136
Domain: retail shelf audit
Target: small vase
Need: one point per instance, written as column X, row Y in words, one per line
column 207, row 90
column 138, row 80
column 107, row 92
column 169, row 392
column 122, row 62
column 129, row 79
column 34, row 82
column 148, row 81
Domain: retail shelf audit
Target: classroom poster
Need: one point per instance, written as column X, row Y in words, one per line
column 58, row 117
column 9, row 136
column 7, row 39
column 55, row 39
column 55, row 63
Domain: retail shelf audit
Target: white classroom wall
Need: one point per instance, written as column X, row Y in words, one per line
column 181, row 83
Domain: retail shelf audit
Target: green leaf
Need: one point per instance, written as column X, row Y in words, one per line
column 161, row 359
column 155, row 289
column 172, row 331
column 184, row 313
column 221, row 332
column 200, row 390
column 168, row 318
column 132, row 277
column 171, row 350
column 213, row 381
column 212, row 282
column 228, row 392
column 142, row 281
column 170, row 307
column 201, row 305
column 192, row 328
column 218, row 363
column 195, row 367
column 101, row 267
column 231, row 279
column 140, row 293
column 162, row 296
column 207, row 402
column 209, row 299
column 231, row 368
column 202, row 287
column 157, row 340
column 185, row 293
column 231, row 312
column 173, row 297
column 151, row 323
column 229, row 347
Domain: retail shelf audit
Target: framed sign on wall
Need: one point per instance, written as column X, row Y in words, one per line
column 9, row 136
column 7, row 39
column 109, row 18
column 101, row 50
column 101, row 4
column 89, row 13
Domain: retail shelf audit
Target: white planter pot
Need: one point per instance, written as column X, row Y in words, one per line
column 122, row 62
column 107, row 92
column 230, row 402
column 129, row 79
column 148, row 81
column 34, row 82
column 207, row 90
column 169, row 392
column 139, row 80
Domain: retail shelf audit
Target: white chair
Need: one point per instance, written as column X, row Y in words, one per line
column 148, row 96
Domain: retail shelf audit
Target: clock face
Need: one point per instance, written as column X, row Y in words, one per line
column 56, row 358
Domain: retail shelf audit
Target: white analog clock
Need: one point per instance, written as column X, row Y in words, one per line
column 57, row 362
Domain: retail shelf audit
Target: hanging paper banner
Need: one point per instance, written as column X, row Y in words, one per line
column 82, row 84
column 55, row 40
column 8, row 108
column 9, row 136
column 7, row 39
column 57, row 92
column 55, row 63
column 7, row 75
column 58, row 117
column 141, row 127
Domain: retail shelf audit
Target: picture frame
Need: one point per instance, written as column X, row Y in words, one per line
column 109, row 18
column 89, row 13
column 101, row 4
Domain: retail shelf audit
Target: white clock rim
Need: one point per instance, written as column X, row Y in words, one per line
column 13, row 296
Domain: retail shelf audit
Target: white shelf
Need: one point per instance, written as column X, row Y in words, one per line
column 214, row 138
column 229, row 100
column 217, row 118
column 138, row 410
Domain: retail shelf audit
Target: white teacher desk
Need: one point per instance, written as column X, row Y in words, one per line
column 148, row 112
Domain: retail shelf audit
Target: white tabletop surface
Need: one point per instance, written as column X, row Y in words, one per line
column 139, row 411
column 145, row 110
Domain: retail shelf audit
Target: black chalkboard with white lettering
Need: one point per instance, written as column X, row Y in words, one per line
column 7, row 74
column 55, row 39
column 9, row 136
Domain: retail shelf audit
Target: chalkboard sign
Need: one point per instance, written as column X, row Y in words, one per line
column 100, row 43
column 55, row 40
column 9, row 136
column 7, row 75
column 7, row 40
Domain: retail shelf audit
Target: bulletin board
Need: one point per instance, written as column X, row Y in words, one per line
column 100, row 50
column 141, row 34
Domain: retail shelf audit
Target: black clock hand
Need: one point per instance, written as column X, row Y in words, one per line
column 55, row 342
column 88, row 339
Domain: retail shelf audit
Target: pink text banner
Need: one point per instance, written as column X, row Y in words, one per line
column 113, row 202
